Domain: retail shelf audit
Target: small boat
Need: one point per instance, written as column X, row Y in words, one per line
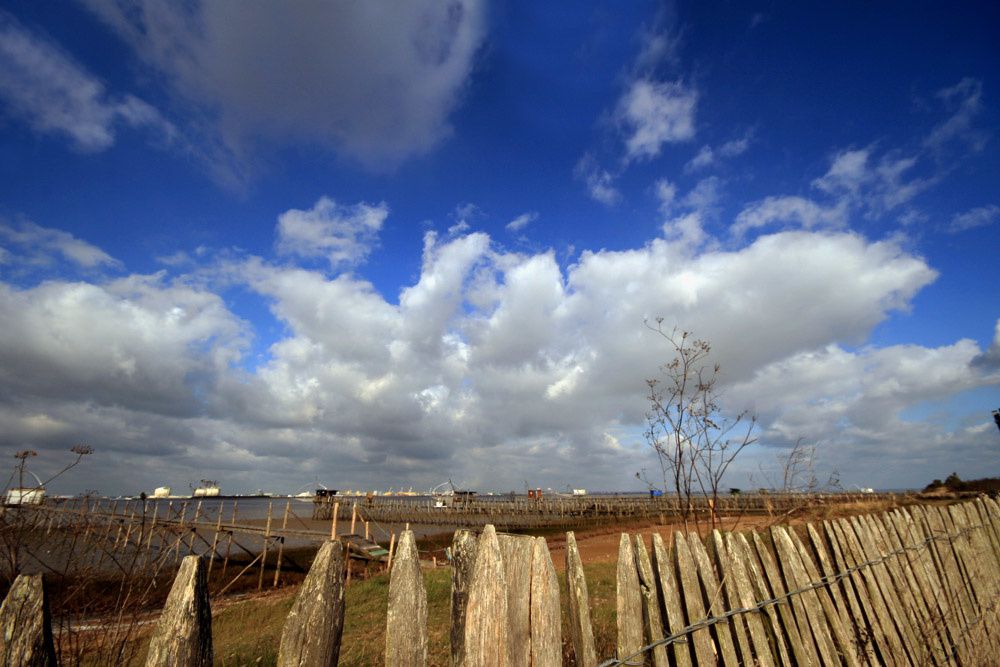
column 579, row 492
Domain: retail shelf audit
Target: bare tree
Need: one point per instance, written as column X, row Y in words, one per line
column 694, row 441
column 799, row 480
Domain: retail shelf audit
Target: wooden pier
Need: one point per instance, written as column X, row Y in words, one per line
column 163, row 532
column 524, row 513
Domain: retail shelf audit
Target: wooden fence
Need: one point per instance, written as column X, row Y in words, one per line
column 522, row 513
column 163, row 532
column 915, row 586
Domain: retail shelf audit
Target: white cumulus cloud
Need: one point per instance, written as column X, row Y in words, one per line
column 344, row 235
column 655, row 113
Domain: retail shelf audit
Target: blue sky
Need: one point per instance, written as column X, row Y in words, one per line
column 383, row 248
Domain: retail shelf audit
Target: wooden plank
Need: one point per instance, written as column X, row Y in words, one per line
column 945, row 576
column 916, row 616
column 921, row 559
column 516, row 552
column 950, row 574
column 762, row 650
column 463, row 558
column 989, row 534
column 26, row 624
column 315, row 623
column 670, row 592
column 808, row 612
column 628, row 601
column 844, row 599
column 932, row 630
column 892, row 647
column 546, row 619
column 963, row 550
column 780, row 639
column 972, row 549
column 694, row 604
column 989, row 562
column 486, row 609
column 579, row 607
column 799, row 639
column 183, row 635
column 651, row 617
column 839, row 631
column 714, row 596
column 406, row 618
column 727, row 577
column 981, row 512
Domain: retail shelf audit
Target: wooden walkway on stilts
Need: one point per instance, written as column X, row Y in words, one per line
column 163, row 531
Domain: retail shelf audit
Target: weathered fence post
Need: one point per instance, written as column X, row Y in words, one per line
column 651, row 616
column 546, row 623
column 406, row 619
column 25, row 624
column 579, row 606
column 463, row 558
column 628, row 600
column 516, row 552
column 312, row 632
column 486, row 607
column 183, row 635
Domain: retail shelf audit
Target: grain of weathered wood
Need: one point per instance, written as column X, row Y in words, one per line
column 694, row 603
column 486, row 609
column 912, row 606
column 844, row 600
column 808, row 612
column 780, row 638
column 651, row 616
column 406, row 619
column 628, row 600
column 546, row 620
column 516, row 552
column 933, row 556
column 968, row 558
column 921, row 563
column 891, row 647
column 715, row 603
column 26, row 625
column 183, row 635
column 727, row 579
column 990, row 536
column 463, row 558
column 952, row 567
column 762, row 651
column 881, row 574
column 579, row 606
column 972, row 549
column 981, row 512
column 933, row 633
column 871, row 638
column 799, row 638
column 987, row 555
column 670, row 590
column 314, row 626
column 839, row 632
